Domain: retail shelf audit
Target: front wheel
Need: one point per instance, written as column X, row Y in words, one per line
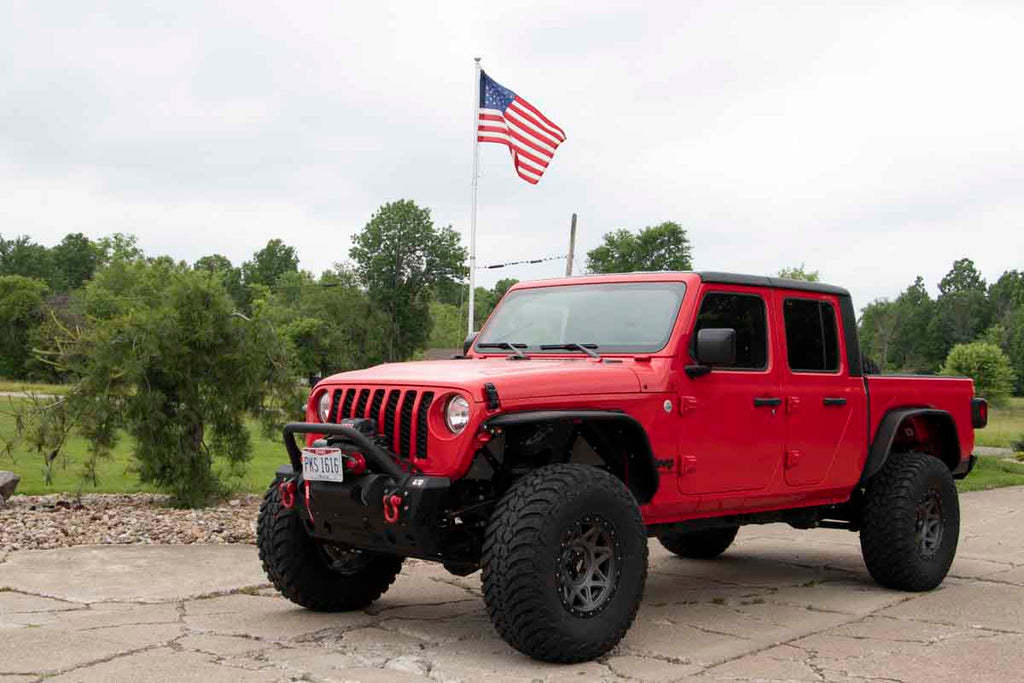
column 564, row 563
column 911, row 522
column 317, row 576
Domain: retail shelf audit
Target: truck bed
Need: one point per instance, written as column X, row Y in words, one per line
column 951, row 394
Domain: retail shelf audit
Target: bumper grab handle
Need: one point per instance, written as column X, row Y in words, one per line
column 380, row 458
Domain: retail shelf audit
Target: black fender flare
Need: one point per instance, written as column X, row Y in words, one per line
column 641, row 470
column 881, row 445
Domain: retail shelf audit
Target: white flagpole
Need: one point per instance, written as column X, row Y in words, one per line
column 472, row 217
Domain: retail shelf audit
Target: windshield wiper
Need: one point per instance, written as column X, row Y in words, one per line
column 573, row 346
column 513, row 347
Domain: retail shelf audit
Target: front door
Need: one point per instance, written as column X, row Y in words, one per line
column 731, row 433
column 825, row 407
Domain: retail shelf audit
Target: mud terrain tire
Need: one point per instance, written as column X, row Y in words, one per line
column 564, row 563
column 303, row 571
column 911, row 523
column 699, row 545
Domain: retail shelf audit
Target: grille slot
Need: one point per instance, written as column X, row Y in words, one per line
column 389, row 416
column 421, row 424
column 405, row 424
column 378, row 398
column 364, row 396
column 346, row 408
column 335, row 399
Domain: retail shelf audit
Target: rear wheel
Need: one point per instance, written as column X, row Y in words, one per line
column 321, row 577
column 911, row 522
column 564, row 563
column 699, row 545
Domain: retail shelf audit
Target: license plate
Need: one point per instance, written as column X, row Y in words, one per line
column 322, row 464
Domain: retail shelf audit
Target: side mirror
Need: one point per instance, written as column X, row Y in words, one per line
column 716, row 346
column 468, row 344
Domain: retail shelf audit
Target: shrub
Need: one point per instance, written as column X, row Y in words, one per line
column 987, row 365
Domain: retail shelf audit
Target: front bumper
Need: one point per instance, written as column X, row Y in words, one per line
column 362, row 511
column 351, row 513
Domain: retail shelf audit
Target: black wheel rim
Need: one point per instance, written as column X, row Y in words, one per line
column 930, row 526
column 588, row 566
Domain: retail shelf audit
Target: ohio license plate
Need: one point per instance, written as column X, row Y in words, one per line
column 322, row 464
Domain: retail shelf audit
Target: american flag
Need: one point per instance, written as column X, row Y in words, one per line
column 507, row 119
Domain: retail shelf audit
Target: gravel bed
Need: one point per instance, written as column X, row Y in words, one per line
column 59, row 521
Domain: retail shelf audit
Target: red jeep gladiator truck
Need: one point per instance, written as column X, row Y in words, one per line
column 591, row 413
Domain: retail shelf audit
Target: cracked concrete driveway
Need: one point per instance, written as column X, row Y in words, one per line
column 781, row 605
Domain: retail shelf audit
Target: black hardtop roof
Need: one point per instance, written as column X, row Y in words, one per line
column 774, row 282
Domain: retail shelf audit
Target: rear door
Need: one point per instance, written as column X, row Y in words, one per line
column 824, row 406
column 732, row 430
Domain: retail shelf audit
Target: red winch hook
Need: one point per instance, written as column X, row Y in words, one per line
column 392, row 504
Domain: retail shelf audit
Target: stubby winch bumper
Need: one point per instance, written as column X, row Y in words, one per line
column 384, row 508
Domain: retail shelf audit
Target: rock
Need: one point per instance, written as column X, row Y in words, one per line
column 2, row 501
column 8, row 483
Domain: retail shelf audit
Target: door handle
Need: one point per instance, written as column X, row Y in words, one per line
column 766, row 402
column 829, row 401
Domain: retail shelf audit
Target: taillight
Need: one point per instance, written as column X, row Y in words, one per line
column 979, row 412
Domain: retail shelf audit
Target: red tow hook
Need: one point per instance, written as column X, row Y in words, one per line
column 392, row 504
column 288, row 491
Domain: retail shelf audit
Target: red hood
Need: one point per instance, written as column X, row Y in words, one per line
column 514, row 379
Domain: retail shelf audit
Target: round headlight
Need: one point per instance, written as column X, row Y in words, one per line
column 323, row 407
column 456, row 414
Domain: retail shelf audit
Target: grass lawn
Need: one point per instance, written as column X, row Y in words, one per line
column 990, row 473
column 117, row 474
column 12, row 385
column 1005, row 425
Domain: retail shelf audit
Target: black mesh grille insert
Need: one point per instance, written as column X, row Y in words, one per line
column 335, row 399
column 346, row 408
column 421, row 424
column 389, row 415
column 378, row 398
column 364, row 396
column 405, row 427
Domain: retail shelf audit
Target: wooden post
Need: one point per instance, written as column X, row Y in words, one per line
column 572, row 247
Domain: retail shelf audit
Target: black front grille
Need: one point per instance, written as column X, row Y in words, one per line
column 401, row 415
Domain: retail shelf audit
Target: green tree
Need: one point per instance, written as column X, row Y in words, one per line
column 270, row 263
column 502, row 286
column 448, row 326
column 660, row 247
column 120, row 246
column 962, row 305
column 987, row 365
column 879, row 323
column 165, row 358
column 75, row 259
column 330, row 323
column 800, row 273
column 915, row 348
column 22, row 256
column 230, row 276
column 22, row 309
column 401, row 258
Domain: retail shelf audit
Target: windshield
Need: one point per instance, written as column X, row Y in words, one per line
column 621, row 317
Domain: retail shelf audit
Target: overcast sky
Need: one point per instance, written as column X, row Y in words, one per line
column 871, row 141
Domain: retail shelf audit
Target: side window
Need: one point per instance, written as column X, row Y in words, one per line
column 812, row 342
column 744, row 313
